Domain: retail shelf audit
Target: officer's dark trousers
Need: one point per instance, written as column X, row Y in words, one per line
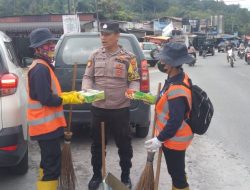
column 117, row 121
column 50, row 158
column 176, row 167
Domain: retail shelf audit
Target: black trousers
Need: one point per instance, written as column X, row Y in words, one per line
column 50, row 159
column 176, row 167
column 116, row 121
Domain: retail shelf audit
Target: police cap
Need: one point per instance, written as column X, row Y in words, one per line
column 110, row 27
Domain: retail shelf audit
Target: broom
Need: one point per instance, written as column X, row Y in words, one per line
column 158, row 169
column 67, row 179
column 146, row 181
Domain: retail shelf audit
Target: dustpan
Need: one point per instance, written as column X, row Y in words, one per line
column 110, row 182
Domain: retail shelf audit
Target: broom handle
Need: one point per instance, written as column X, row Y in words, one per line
column 158, row 168
column 103, row 150
column 154, row 122
column 73, row 88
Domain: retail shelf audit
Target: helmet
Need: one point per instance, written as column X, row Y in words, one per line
column 39, row 37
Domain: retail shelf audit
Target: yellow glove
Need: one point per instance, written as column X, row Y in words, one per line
column 72, row 97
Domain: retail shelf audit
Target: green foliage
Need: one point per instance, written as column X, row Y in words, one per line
column 138, row 10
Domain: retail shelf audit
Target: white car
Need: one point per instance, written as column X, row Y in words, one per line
column 13, row 104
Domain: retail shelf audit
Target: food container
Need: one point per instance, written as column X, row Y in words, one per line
column 92, row 95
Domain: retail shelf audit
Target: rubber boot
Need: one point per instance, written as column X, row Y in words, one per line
column 40, row 174
column 47, row 185
column 174, row 188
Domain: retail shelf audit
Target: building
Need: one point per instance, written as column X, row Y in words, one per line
column 17, row 26
column 159, row 24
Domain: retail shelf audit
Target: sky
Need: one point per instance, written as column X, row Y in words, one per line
column 243, row 3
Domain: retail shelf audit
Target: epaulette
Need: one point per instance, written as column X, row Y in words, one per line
column 131, row 55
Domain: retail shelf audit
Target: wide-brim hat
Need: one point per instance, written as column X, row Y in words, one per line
column 175, row 54
column 40, row 36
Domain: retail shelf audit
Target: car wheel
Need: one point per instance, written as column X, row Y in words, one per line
column 22, row 167
column 142, row 132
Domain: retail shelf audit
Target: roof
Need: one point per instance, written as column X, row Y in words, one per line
column 176, row 19
column 157, row 37
column 28, row 26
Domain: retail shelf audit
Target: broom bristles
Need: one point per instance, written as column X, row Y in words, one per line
column 146, row 181
column 67, row 179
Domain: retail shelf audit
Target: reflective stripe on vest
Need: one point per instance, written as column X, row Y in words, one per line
column 35, row 106
column 45, row 119
column 184, row 135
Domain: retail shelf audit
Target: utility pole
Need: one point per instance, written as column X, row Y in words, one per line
column 68, row 6
column 14, row 7
column 97, row 15
column 74, row 5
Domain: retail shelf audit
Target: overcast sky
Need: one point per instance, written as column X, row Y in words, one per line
column 243, row 3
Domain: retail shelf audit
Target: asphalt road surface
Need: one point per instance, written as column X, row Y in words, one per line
column 219, row 159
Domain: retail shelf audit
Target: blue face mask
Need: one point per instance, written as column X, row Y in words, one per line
column 161, row 67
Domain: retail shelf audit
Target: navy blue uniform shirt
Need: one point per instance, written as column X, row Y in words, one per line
column 40, row 90
column 178, row 107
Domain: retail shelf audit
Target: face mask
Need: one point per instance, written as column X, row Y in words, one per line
column 47, row 52
column 161, row 67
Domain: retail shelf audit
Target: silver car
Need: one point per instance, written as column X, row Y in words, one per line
column 13, row 103
column 150, row 51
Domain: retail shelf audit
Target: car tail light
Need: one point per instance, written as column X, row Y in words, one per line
column 248, row 55
column 9, row 148
column 8, row 84
column 144, row 76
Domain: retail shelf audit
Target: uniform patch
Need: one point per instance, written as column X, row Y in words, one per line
column 89, row 63
column 133, row 63
column 119, row 66
column 118, row 72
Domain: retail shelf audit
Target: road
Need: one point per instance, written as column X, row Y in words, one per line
column 219, row 159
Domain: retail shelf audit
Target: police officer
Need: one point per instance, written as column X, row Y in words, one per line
column 45, row 111
column 173, row 134
column 114, row 70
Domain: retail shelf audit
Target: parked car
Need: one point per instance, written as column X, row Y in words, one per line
column 75, row 49
column 13, row 103
column 150, row 51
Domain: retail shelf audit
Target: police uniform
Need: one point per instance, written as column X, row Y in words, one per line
column 113, row 73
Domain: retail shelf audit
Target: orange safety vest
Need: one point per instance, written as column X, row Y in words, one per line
column 184, row 135
column 45, row 119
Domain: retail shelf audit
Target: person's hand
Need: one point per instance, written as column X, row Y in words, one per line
column 72, row 97
column 152, row 145
column 129, row 93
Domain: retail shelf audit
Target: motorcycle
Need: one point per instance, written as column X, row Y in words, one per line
column 241, row 53
column 230, row 57
column 248, row 58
